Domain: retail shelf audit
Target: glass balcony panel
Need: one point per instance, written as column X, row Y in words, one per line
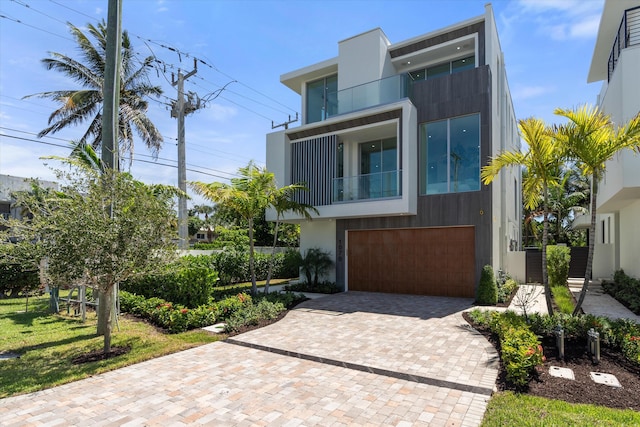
column 366, row 187
column 374, row 93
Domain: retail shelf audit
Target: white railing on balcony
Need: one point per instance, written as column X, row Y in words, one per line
column 628, row 35
column 365, row 187
column 374, row 93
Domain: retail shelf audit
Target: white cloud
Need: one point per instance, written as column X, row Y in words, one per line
column 219, row 113
column 559, row 19
column 528, row 92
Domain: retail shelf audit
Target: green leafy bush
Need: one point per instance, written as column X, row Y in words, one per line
column 520, row 350
column 558, row 258
column 189, row 282
column 506, row 288
column 18, row 268
column 321, row 288
column 254, row 314
column 487, row 289
column 625, row 289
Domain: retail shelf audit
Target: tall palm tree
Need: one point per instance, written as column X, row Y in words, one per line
column 281, row 201
column 77, row 106
column 591, row 138
column 247, row 196
column 543, row 162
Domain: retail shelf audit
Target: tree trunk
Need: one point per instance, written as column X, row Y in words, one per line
column 545, row 276
column 103, row 312
column 273, row 254
column 107, row 302
column 592, row 242
column 252, row 268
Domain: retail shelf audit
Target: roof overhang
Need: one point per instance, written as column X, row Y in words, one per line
column 294, row 79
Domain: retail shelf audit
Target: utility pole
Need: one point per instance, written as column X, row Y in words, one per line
column 111, row 89
column 285, row 124
column 179, row 109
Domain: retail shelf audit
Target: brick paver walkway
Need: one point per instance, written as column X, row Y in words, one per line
column 343, row 360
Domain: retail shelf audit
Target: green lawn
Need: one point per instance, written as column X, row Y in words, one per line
column 510, row 409
column 563, row 299
column 47, row 343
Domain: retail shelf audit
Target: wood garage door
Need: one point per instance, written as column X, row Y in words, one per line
column 424, row 261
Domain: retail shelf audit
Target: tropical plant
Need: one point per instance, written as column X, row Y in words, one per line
column 315, row 263
column 101, row 229
column 246, row 196
column 487, row 288
column 282, row 201
column 543, row 162
column 85, row 104
column 591, row 138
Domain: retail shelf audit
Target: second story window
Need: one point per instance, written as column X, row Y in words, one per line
column 444, row 69
column 322, row 99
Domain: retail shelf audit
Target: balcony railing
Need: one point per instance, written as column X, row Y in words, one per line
column 628, row 35
column 370, row 186
column 374, row 93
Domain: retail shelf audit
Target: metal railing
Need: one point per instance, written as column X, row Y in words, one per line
column 365, row 187
column 628, row 35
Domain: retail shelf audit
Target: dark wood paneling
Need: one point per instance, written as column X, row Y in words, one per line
column 424, row 261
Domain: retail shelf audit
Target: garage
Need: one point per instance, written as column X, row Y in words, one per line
column 424, row 261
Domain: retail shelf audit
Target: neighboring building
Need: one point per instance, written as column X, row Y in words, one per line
column 10, row 184
column 616, row 62
column 392, row 140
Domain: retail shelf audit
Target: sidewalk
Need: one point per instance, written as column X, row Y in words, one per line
column 596, row 302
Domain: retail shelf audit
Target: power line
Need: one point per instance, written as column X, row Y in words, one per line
column 32, row 26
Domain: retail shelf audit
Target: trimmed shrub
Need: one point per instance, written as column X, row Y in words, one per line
column 506, row 289
column 625, row 289
column 520, row 349
column 487, row 289
column 558, row 258
column 188, row 282
column 254, row 314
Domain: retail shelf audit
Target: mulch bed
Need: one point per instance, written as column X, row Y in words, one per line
column 583, row 389
column 97, row 355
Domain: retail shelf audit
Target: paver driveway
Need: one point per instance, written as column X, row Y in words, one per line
column 348, row 359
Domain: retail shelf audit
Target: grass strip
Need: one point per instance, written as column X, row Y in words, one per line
column 47, row 343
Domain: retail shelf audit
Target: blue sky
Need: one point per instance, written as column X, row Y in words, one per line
column 548, row 45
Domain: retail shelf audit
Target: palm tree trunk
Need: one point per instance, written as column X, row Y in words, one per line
column 592, row 242
column 252, row 267
column 273, row 254
column 545, row 276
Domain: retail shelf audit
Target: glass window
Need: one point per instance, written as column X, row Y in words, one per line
column 450, row 155
column 438, row 70
column 463, row 64
column 378, row 169
column 322, row 99
column 417, row 75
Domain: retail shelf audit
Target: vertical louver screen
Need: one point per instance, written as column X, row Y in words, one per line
column 313, row 164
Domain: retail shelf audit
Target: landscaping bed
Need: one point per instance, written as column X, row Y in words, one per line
column 582, row 389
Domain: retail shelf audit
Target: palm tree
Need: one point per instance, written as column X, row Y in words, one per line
column 206, row 210
column 543, row 162
column 591, row 138
column 247, row 196
column 281, row 201
column 85, row 104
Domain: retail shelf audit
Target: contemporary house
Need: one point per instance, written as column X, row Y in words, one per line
column 616, row 62
column 391, row 142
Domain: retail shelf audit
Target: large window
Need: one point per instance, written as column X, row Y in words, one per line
column 322, row 99
column 378, row 168
column 450, row 155
column 444, row 69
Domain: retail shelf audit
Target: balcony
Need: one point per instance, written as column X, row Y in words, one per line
column 367, row 187
column 628, row 35
column 374, row 93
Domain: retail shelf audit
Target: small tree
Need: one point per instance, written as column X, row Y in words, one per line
column 102, row 229
column 558, row 258
column 315, row 263
column 591, row 138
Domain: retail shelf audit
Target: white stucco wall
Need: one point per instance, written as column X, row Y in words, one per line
column 320, row 234
column 630, row 239
column 362, row 58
